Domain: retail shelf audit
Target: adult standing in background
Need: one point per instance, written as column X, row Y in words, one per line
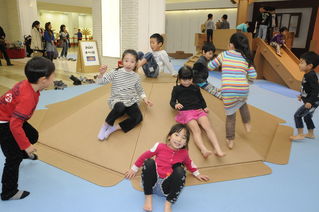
column 224, row 24
column 3, row 48
column 273, row 23
column 79, row 34
column 64, row 36
column 264, row 21
column 49, row 41
column 36, row 37
column 210, row 26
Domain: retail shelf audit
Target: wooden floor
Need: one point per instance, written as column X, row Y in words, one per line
column 10, row 75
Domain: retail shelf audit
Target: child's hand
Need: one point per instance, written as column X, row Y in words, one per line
column 30, row 150
column 202, row 177
column 308, row 105
column 148, row 102
column 130, row 174
column 102, row 69
column 174, row 75
column 299, row 98
column 178, row 106
column 206, row 109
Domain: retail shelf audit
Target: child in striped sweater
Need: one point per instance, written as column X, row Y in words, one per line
column 237, row 70
column 126, row 92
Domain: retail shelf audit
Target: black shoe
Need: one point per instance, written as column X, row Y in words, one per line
column 33, row 157
column 75, row 80
column 59, row 85
column 10, row 64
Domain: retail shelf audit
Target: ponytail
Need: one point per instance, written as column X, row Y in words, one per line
column 240, row 42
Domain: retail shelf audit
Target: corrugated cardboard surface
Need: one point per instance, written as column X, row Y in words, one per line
column 68, row 137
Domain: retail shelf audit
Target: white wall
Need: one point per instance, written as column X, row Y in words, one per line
column 301, row 41
column 85, row 21
column 181, row 27
column 13, row 29
column 3, row 15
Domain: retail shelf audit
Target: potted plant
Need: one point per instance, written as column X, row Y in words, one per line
column 16, row 50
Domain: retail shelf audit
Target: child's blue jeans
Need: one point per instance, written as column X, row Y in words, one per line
column 150, row 68
column 306, row 114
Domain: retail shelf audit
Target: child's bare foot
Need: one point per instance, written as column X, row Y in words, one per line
column 230, row 143
column 310, row 135
column 148, row 203
column 278, row 53
column 206, row 153
column 247, row 127
column 297, row 137
column 168, row 207
column 220, row 153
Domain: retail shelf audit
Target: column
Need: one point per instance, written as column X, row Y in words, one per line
column 28, row 13
column 242, row 11
column 151, row 19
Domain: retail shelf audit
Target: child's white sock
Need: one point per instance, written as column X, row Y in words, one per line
column 109, row 130
column 101, row 135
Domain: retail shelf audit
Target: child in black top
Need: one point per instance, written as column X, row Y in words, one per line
column 309, row 95
column 192, row 110
column 200, row 71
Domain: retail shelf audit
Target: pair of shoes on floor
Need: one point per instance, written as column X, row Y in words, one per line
column 90, row 81
column 59, row 85
column 76, row 81
column 82, row 79
column 86, row 80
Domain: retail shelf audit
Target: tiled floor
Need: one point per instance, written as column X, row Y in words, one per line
column 10, row 75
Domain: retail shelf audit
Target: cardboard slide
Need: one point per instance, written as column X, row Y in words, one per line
column 68, row 140
column 279, row 69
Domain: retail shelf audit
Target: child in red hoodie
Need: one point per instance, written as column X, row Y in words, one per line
column 17, row 136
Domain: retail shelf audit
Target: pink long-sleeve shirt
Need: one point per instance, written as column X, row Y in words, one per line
column 165, row 158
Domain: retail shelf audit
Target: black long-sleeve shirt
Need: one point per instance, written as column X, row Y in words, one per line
column 310, row 88
column 190, row 97
column 200, row 70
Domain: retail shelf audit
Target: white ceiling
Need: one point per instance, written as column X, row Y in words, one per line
column 80, row 3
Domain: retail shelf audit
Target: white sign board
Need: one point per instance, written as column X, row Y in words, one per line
column 89, row 53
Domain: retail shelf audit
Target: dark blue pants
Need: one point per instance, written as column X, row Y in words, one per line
column 306, row 114
column 150, row 68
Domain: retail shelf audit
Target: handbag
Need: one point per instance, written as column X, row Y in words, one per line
column 55, row 54
column 37, row 54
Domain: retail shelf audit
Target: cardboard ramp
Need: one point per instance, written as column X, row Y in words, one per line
column 279, row 69
column 68, row 140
